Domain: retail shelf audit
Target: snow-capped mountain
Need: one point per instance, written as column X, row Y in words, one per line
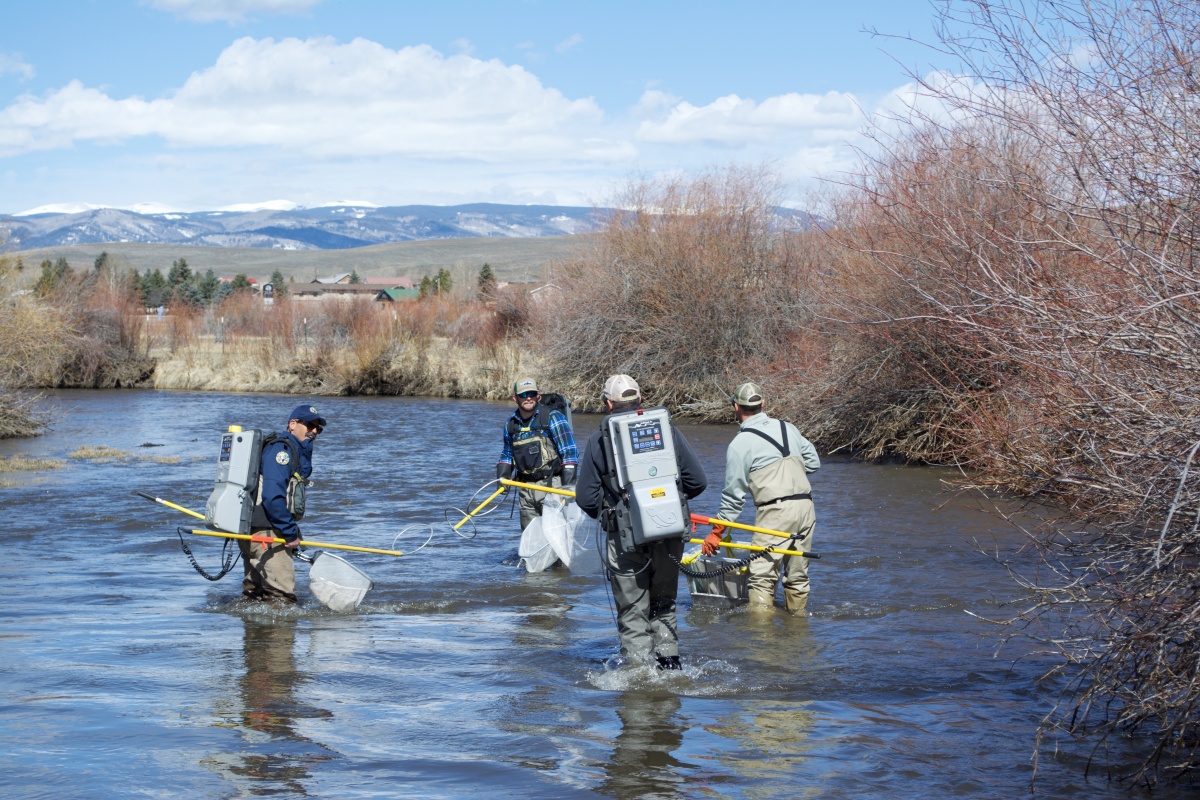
column 283, row 225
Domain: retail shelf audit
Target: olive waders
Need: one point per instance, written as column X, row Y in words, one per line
column 771, row 486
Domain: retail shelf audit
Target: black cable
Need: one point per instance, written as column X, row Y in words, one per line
column 692, row 573
column 228, row 559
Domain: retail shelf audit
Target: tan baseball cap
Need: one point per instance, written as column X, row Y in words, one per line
column 621, row 388
column 748, row 394
column 525, row 385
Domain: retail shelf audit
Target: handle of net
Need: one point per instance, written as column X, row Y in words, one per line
column 699, row 519
column 537, row 487
column 479, row 507
column 303, row 542
column 779, row 550
column 168, row 504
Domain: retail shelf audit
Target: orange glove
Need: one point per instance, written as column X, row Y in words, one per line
column 713, row 540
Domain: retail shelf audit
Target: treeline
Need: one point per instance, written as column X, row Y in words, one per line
column 1008, row 285
column 179, row 287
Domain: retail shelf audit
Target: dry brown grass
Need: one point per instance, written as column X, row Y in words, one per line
column 22, row 463
column 99, row 453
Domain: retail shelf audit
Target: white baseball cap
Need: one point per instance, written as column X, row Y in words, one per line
column 621, row 388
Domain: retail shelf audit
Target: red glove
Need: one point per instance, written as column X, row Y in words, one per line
column 712, row 541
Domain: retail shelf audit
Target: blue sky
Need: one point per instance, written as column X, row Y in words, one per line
column 204, row 104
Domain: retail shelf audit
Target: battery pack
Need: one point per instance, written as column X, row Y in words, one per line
column 231, row 503
column 644, row 452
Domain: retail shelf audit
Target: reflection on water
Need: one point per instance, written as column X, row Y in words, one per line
column 125, row 674
column 643, row 762
column 277, row 758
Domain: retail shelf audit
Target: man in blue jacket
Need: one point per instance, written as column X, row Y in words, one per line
column 283, row 480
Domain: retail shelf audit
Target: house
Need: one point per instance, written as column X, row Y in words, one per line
column 340, row 278
column 396, row 294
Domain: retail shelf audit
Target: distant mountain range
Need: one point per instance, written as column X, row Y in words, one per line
column 333, row 227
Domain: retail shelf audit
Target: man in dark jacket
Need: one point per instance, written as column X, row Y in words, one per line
column 644, row 579
column 286, row 464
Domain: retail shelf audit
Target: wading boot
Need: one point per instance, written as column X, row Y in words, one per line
column 796, row 604
column 760, row 600
column 669, row 662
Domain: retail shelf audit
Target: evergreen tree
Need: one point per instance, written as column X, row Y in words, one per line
column 354, row 277
column 155, row 290
column 443, row 282
column 180, row 273
column 206, row 287
column 239, row 283
column 426, row 288
column 487, row 282
column 277, row 281
column 188, row 294
column 101, row 262
column 54, row 275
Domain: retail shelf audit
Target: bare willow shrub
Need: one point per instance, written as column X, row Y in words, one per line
column 1045, row 294
column 108, row 325
column 688, row 283
column 33, row 340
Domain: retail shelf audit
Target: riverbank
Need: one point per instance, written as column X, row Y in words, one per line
column 432, row 367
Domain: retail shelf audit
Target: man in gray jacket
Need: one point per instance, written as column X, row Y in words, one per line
column 772, row 460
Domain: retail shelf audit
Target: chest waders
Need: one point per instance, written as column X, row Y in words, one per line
column 535, row 456
column 769, row 485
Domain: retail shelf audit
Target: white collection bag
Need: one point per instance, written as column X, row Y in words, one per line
column 534, row 550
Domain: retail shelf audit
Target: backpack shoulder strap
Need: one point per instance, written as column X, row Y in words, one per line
column 275, row 437
column 782, row 448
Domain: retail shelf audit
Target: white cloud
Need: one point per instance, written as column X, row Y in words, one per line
column 13, row 65
column 326, row 99
column 733, row 121
column 568, row 43
column 231, row 10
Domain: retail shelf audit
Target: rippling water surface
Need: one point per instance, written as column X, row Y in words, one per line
column 123, row 673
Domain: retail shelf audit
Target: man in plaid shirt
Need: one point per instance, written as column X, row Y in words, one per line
column 539, row 447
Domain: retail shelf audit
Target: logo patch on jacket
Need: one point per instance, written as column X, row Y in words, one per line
column 282, row 457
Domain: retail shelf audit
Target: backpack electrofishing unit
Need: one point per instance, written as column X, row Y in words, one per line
column 641, row 450
column 234, row 505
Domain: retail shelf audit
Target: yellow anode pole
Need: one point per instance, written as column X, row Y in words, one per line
column 756, row 547
column 226, row 535
column 479, row 507
column 697, row 518
column 277, row 540
column 537, row 487
column 169, row 504
column 702, row 520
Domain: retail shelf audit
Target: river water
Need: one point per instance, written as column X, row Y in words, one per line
column 123, row 673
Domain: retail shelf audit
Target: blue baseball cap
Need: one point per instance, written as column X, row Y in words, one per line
column 307, row 413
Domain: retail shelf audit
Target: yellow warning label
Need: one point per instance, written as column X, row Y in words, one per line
column 658, row 493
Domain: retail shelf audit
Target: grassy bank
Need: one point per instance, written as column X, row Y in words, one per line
column 436, row 347
column 437, row 367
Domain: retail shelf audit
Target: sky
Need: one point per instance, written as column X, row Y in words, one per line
column 194, row 105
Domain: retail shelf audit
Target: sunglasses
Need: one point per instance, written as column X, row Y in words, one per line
column 527, row 395
column 312, row 426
